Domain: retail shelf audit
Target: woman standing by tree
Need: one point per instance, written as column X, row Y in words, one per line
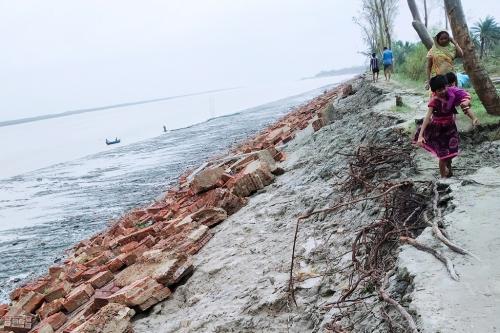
column 440, row 58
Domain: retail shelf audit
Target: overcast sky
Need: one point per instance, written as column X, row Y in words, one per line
column 59, row 55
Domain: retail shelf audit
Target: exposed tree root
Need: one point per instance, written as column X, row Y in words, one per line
column 334, row 208
column 374, row 246
column 445, row 260
column 412, row 327
column 434, row 224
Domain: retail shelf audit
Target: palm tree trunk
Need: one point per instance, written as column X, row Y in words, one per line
column 481, row 49
column 419, row 26
column 479, row 77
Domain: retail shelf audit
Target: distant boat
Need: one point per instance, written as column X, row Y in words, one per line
column 116, row 140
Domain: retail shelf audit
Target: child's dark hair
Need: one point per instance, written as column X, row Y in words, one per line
column 373, row 55
column 438, row 82
column 451, row 78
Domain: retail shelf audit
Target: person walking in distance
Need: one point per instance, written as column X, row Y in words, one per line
column 374, row 67
column 388, row 61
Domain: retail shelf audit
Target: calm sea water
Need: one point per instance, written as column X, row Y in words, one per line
column 60, row 183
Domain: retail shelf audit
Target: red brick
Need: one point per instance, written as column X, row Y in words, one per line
column 209, row 216
column 91, row 272
column 38, row 286
column 18, row 324
column 4, row 308
column 317, row 124
column 17, row 293
column 255, row 176
column 78, row 297
column 196, row 240
column 138, row 213
column 93, row 250
column 129, row 247
column 136, row 293
column 184, row 269
column 158, row 297
column 101, row 259
column 135, row 236
column 281, row 156
column 114, row 317
column 101, row 296
column 219, row 197
column 72, row 324
column 154, row 209
column 140, row 250
column 58, row 291
column 56, row 320
column 196, row 247
column 115, row 264
column 29, row 302
column 128, row 258
column 48, row 309
column 148, row 241
column 101, row 279
column 206, row 179
column 55, row 271
column 74, row 272
column 288, row 138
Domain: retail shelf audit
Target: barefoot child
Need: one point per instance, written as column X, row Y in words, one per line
column 438, row 133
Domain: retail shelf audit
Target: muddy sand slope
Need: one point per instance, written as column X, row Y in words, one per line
column 241, row 277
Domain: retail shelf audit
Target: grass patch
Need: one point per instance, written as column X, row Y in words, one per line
column 404, row 80
column 401, row 109
column 479, row 111
column 144, row 224
column 410, row 129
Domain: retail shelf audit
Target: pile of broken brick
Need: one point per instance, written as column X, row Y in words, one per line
column 134, row 264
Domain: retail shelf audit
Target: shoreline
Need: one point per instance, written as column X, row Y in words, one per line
column 138, row 228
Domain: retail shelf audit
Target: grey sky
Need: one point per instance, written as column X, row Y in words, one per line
column 59, row 55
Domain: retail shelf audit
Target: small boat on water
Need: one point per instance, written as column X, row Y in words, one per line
column 116, row 140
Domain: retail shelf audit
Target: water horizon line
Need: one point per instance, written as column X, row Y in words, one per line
column 104, row 108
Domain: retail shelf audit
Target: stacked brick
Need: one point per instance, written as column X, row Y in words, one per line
column 133, row 265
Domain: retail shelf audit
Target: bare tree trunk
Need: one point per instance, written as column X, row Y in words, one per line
column 386, row 25
column 479, row 77
column 419, row 26
column 426, row 17
column 380, row 24
column 445, row 19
